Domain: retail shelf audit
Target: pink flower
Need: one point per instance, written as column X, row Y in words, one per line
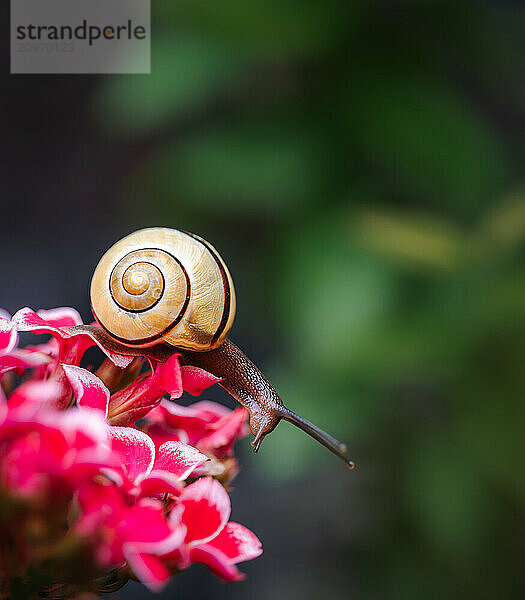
column 43, row 448
column 65, row 347
column 208, row 426
column 147, row 471
column 88, row 389
column 140, row 463
column 69, row 347
column 195, row 380
column 135, row 401
column 74, row 464
column 210, row 538
column 135, row 533
column 8, row 335
column 18, row 361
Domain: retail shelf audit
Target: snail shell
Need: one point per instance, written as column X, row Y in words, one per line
column 163, row 285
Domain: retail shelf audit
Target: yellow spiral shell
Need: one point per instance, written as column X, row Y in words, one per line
column 163, row 285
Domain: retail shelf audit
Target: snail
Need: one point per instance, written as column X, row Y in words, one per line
column 164, row 290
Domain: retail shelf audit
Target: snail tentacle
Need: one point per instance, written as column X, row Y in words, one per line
column 246, row 383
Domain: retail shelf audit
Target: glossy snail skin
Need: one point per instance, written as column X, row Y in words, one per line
column 245, row 382
column 162, row 290
column 162, row 285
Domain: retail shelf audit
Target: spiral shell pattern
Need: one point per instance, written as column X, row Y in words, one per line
column 162, row 285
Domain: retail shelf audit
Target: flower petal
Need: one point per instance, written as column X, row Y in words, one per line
column 45, row 392
column 8, row 335
column 178, row 458
column 27, row 319
column 206, row 509
column 216, row 561
column 168, row 535
column 20, row 360
column 82, row 331
column 237, row 543
column 135, row 450
column 83, row 426
column 160, row 433
column 89, row 390
column 224, row 433
column 134, row 402
column 144, row 524
column 147, row 568
column 61, row 317
column 159, row 482
column 101, row 498
column 192, row 419
column 167, row 376
column 195, row 380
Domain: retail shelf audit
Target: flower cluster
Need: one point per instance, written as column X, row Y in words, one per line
column 102, row 477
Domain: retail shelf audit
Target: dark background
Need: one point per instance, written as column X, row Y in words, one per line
column 360, row 167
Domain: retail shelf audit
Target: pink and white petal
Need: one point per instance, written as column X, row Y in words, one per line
column 88, row 434
column 237, row 543
column 167, row 376
column 50, row 348
column 225, row 431
column 147, row 568
column 155, row 415
column 86, row 337
column 206, row 510
column 84, row 428
column 159, row 433
column 145, row 525
column 89, row 463
column 8, row 335
column 114, row 476
column 20, row 360
column 193, row 419
column 178, row 458
column 27, row 319
column 135, row 450
column 101, row 498
column 21, row 414
column 61, row 317
column 180, row 417
column 129, row 417
column 171, row 544
column 195, row 380
column 216, row 561
column 88, row 389
column 157, row 483
column 90, row 339
column 54, row 449
column 45, row 392
column 210, row 411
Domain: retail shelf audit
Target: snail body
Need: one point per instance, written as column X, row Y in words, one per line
column 163, row 290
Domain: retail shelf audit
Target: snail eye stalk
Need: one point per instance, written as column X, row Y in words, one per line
column 335, row 446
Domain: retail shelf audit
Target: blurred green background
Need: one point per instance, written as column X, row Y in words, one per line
column 360, row 167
